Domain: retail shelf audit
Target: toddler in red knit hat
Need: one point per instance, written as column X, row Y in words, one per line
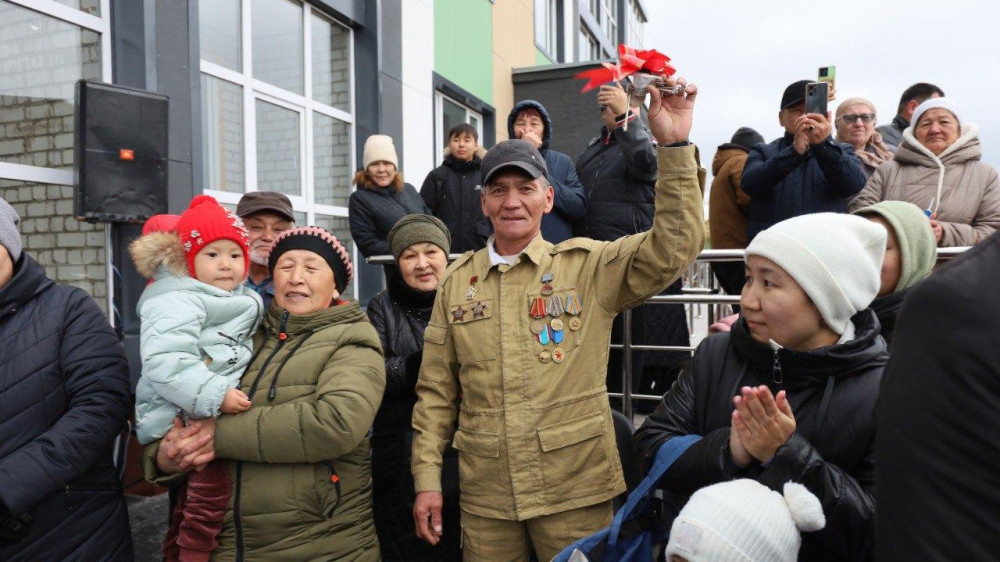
column 197, row 321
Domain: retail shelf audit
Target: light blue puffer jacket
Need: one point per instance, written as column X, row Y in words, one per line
column 195, row 340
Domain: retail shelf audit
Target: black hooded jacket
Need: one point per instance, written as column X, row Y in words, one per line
column 618, row 171
column 570, row 205
column 938, row 451
column 452, row 193
column 64, row 397
column 832, row 391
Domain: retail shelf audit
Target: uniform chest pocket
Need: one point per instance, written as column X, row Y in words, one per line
column 474, row 325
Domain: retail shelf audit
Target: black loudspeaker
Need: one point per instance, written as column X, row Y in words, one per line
column 121, row 153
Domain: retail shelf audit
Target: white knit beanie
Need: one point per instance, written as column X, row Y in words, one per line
column 744, row 521
column 932, row 103
column 835, row 258
column 379, row 148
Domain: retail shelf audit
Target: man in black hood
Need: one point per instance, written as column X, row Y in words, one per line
column 937, row 453
column 529, row 121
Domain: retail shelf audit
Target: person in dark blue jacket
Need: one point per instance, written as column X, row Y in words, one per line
column 64, row 398
column 803, row 172
column 529, row 121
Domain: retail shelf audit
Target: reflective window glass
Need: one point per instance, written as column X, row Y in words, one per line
column 41, row 59
column 278, row 149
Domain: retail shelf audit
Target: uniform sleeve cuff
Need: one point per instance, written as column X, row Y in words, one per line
column 427, row 481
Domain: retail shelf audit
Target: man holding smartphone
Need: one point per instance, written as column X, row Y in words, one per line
column 804, row 171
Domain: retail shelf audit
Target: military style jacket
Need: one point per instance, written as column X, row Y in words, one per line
column 518, row 353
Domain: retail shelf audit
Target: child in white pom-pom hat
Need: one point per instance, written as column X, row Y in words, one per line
column 744, row 521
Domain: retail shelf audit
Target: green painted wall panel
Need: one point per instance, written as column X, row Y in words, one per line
column 463, row 44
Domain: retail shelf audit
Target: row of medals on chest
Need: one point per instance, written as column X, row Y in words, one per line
column 548, row 304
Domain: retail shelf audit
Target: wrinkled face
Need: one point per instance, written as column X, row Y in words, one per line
column 515, row 204
column 264, row 229
column 303, row 282
column 529, row 121
column 776, row 308
column 788, row 116
column 857, row 124
column 463, row 147
column 937, row 130
column 422, row 266
column 381, row 172
column 6, row 267
column 892, row 264
column 221, row 265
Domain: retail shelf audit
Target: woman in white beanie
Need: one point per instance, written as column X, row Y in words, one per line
column 789, row 393
column 382, row 198
column 938, row 167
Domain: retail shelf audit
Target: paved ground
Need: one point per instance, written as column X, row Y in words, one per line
column 148, row 517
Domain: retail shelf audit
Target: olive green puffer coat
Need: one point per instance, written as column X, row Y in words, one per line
column 301, row 467
column 314, row 396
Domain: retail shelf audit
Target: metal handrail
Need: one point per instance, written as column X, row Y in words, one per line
column 691, row 295
column 706, row 256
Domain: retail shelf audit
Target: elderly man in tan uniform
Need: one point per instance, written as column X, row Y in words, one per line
column 517, row 349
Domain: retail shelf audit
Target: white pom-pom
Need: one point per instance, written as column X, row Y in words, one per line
column 804, row 507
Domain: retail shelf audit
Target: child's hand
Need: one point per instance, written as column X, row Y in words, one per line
column 236, row 401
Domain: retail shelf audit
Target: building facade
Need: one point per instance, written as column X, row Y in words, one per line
column 265, row 95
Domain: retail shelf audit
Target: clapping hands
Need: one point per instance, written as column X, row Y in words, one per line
column 761, row 424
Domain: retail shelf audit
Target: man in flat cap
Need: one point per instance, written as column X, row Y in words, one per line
column 266, row 215
column 516, row 351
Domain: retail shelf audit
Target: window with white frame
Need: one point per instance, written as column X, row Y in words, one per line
column 448, row 113
column 277, row 107
column 547, row 27
column 46, row 47
column 635, row 25
column 609, row 20
column 589, row 48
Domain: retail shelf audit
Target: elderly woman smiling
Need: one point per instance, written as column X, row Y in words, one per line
column 299, row 456
column 938, row 168
column 856, row 126
column 420, row 245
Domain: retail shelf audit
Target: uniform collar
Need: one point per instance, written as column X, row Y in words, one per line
column 486, row 261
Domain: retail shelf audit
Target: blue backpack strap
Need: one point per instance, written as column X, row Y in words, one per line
column 666, row 455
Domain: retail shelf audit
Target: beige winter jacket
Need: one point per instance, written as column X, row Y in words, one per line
column 964, row 191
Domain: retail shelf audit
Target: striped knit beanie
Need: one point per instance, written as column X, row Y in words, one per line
column 319, row 241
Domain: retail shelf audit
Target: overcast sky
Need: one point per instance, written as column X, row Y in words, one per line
column 743, row 54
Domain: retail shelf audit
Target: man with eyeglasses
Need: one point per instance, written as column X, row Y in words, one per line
column 803, row 172
column 913, row 96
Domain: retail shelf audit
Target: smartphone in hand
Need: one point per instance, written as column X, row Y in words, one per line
column 816, row 94
column 828, row 74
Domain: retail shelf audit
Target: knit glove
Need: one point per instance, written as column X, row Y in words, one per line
column 13, row 527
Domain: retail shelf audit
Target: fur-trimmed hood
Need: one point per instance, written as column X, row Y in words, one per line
column 152, row 251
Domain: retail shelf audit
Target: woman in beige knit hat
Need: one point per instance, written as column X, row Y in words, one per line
column 382, row 198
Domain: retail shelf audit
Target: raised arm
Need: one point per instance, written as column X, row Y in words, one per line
column 636, row 267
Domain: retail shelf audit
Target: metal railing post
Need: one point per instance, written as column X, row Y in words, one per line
column 627, row 363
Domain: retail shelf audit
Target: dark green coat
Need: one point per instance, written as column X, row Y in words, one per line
column 314, row 396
